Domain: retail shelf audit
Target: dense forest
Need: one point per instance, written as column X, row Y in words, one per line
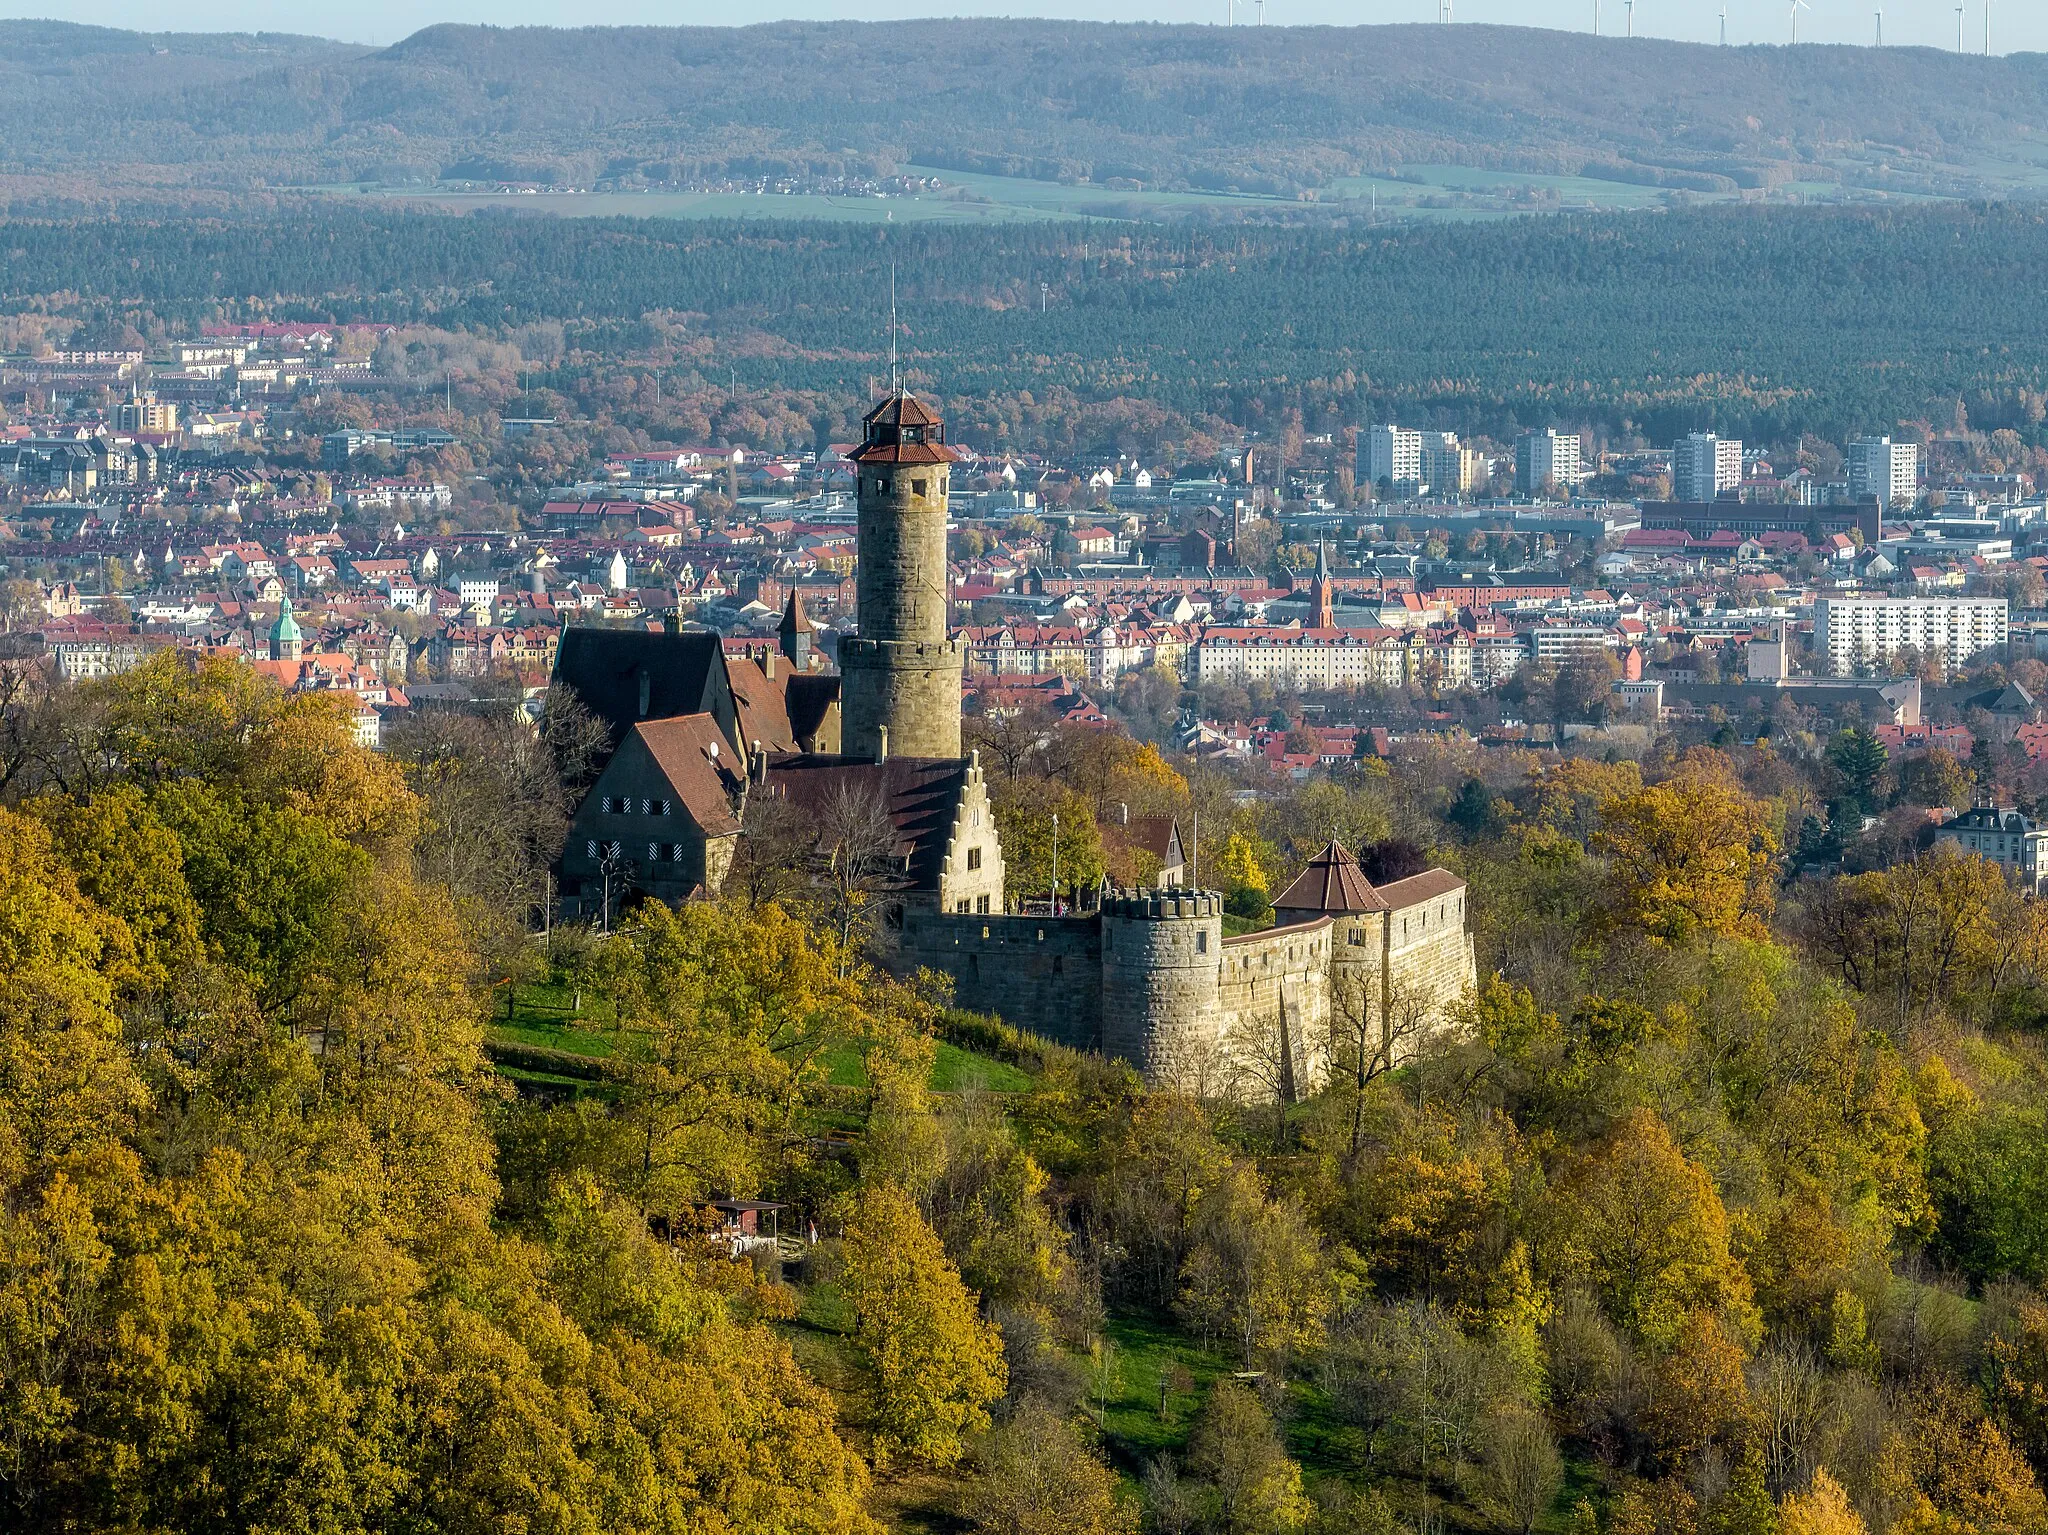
column 1719, row 1210
column 1767, row 324
column 86, row 112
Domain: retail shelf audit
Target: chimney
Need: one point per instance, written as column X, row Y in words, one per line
column 672, row 621
column 759, row 763
column 882, row 746
column 768, row 662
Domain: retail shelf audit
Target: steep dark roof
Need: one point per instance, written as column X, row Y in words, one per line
column 2010, row 699
column 795, row 620
column 693, row 757
column 1332, row 882
column 1158, row 835
column 809, row 698
column 922, row 795
column 763, row 714
column 683, row 673
column 1417, row 888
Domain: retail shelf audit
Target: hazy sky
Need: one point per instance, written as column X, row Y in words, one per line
column 2016, row 24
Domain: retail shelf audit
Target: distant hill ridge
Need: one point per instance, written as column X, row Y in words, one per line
column 1272, row 109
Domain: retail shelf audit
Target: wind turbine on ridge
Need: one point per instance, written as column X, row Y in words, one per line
column 1880, row 26
column 1797, row 7
column 1959, row 27
column 1631, row 5
column 1724, row 26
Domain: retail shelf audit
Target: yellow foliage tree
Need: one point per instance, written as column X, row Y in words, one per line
column 1821, row 1510
column 1240, row 868
column 936, row 1365
column 1689, row 856
column 1643, row 1226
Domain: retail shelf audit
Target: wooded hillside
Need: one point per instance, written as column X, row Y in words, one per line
column 1765, row 323
column 1267, row 108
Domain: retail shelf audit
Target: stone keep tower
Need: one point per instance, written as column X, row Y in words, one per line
column 900, row 676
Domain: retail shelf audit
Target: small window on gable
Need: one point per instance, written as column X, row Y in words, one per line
column 647, row 807
column 654, row 852
column 605, row 805
column 981, row 909
column 974, row 858
column 590, row 850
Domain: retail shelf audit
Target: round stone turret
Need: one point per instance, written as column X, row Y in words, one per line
column 1162, row 952
column 901, row 673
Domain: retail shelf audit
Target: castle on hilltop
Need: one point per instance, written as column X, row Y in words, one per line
column 699, row 729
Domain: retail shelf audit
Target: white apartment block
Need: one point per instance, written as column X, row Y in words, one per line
column 1856, row 631
column 1390, row 453
column 1547, row 455
column 1703, row 465
column 1334, row 661
column 1555, row 643
column 1885, row 470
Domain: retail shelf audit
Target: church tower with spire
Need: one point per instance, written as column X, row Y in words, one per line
column 900, row 675
column 1322, row 595
column 286, row 642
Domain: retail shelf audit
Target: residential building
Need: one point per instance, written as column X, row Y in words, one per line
column 1548, row 456
column 2009, row 839
column 1449, row 467
column 1392, row 454
column 145, row 413
column 1884, row 471
column 1703, row 466
column 1855, row 631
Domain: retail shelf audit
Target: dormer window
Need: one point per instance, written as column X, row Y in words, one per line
column 913, row 434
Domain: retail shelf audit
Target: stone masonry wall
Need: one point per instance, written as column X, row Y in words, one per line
column 1267, row 978
column 1039, row 973
column 1429, row 953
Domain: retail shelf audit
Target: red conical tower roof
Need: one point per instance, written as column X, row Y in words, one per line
column 1333, row 883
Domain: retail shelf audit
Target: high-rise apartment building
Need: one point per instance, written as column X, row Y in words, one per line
column 1884, row 471
column 1392, row 454
column 1853, row 631
column 1703, row 465
column 1451, row 468
column 145, row 413
column 1546, row 455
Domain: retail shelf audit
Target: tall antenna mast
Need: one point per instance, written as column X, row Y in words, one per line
column 895, row 374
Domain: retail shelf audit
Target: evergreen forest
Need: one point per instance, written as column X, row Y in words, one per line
column 1765, row 324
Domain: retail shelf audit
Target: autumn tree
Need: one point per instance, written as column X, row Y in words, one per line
column 1688, row 857
column 1643, row 1226
column 1035, row 1477
column 1823, row 1509
column 936, row 1365
column 1253, row 1487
